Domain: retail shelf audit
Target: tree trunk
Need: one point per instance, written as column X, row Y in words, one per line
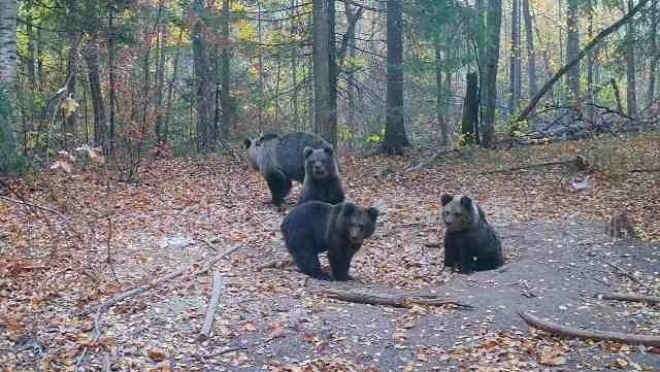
column 161, row 138
column 395, row 131
column 440, row 96
column 531, row 56
column 109, row 135
column 515, row 64
column 294, row 65
column 9, row 150
column 493, row 24
column 324, row 117
column 170, row 89
column 653, row 64
column 470, row 109
column 225, row 96
column 94, row 76
column 573, row 48
column 72, row 67
column 204, row 79
column 631, row 91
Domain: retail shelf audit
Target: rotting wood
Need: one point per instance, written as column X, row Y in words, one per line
column 388, row 299
column 629, row 297
column 565, row 331
column 218, row 283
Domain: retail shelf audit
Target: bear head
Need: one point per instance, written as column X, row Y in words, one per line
column 459, row 213
column 320, row 163
column 356, row 223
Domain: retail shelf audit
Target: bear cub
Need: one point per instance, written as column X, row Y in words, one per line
column 471, row 243
column 322, row 180
column 316, row 227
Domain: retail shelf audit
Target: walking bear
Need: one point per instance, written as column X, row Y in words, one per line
column 315, row 227
column 471, row 243
column 280, row 159
column 322, row 181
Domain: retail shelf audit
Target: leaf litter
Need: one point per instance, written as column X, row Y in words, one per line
column 266, row 319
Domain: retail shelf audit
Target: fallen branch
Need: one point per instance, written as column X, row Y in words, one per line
column 218, row 282
column 561, row 330
column 650, row 170
column 388, row 299
column 627, row 274
column 531, row 166
column 433, row 245
column 629, row 297
column 431, row 159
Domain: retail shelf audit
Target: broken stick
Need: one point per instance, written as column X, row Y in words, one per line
column 629, row 297
column 561, row 330
column 389, row 299
column 218, row 283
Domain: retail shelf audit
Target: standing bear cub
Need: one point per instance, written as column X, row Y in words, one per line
column 471, row 243
column 280, row 159
column 316, row 227
column 322, row 180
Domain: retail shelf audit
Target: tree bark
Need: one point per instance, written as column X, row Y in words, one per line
column 493, row 24
column 631, row 91
column 324, row 118
column 531, row 55
column 590, row 67
column 515, row 74
column 72, row 67
column 395, row 131
column 440, row 96
column 161, row 138
column 204, row 79
column 602, row 35
column 94, row 76
column 9, row 150
column 225, row 96
column 294, row 66
column 573, row 48
column 653, row 64
column 109, row 135
column 470, row 109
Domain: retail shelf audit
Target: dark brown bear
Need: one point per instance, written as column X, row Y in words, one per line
column 322, row 181
column 471, row 243
column 315, row 227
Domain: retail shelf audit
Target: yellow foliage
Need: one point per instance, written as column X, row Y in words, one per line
column 245, row 30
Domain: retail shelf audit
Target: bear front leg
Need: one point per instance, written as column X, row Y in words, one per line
column 308, row 263
column 340, row 263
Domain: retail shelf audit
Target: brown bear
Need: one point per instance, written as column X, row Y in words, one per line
column 315, row 227
column 322, row 181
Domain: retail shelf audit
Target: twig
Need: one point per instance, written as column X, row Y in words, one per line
column 210, row 244
column 104, row 306
column 650, row 170
column 433, row 245
column 41, row 207
column 561, row 330
column 218, row 282
column 278, row 264
column 629, row 297
column 389, row 299
column 628, row 274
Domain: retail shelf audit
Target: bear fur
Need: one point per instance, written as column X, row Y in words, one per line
column 471, row 243
column 315, row 227
column 280, row 159
column 322, row 181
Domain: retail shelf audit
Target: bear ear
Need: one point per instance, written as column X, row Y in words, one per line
column 247, row 143
column 307, row 151
column 445, row 199
column 373, row 213
column 466, row 202
column 328, row 150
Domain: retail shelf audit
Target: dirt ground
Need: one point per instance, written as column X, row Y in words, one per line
column 271, row 319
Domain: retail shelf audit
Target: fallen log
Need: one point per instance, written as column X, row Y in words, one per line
column 218, row 283
column 388, row 299
column 596, row 335
column 629, row 297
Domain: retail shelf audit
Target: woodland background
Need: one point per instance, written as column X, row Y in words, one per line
column 133, row 236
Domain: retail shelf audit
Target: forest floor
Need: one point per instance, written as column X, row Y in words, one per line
column 104, row 237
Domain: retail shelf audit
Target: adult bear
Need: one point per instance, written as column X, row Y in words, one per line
column 280, row 159
column 471, row 243
column 322, row 181
column 315, row 227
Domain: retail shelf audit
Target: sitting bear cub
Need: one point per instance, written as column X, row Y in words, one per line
column 315, row 227
column 471, row 243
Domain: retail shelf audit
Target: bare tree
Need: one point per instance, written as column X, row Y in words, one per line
column 395, row 131
column 515, row 73
column 493, row 27
column 573, row 48
column 8, row 130
column 325, row 117
column 631, row 92
column 204, row 81
column 225, row 97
